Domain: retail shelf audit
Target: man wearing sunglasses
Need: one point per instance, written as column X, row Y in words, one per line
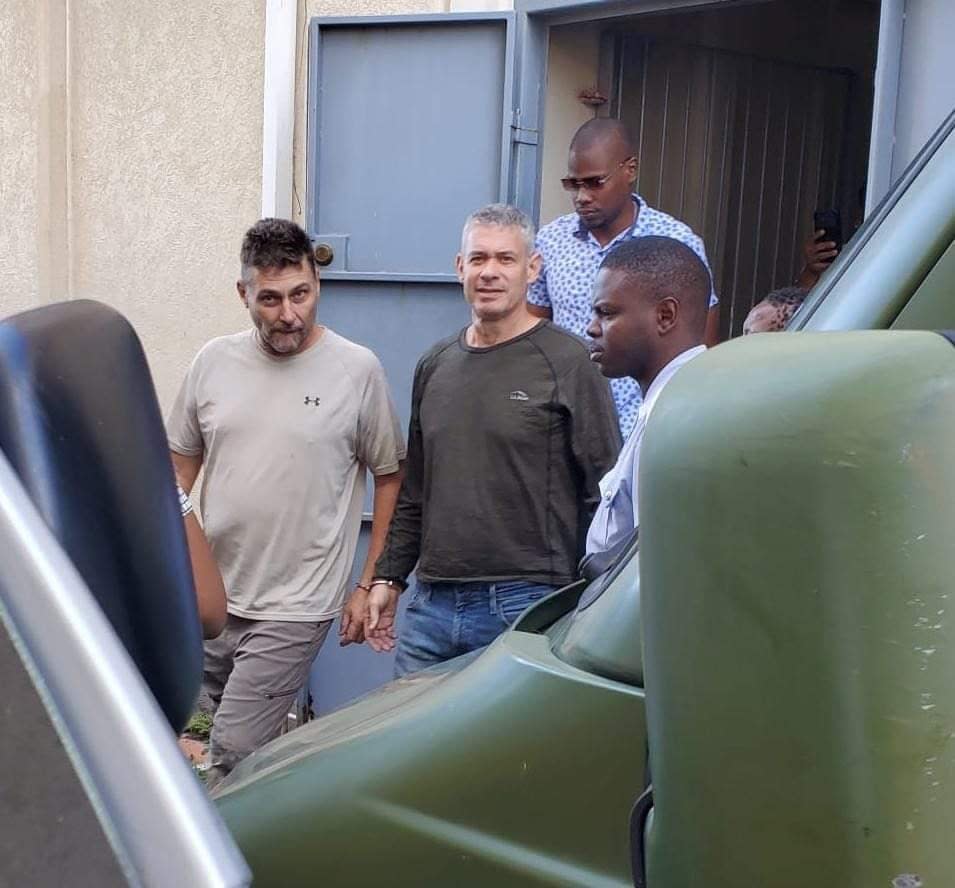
column 601, row 172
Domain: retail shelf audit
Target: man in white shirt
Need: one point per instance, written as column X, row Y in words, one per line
column 650, row 302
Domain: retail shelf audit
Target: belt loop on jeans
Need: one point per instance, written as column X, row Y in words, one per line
column 492, row 597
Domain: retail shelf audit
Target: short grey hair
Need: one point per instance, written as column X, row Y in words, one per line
column 504, row 216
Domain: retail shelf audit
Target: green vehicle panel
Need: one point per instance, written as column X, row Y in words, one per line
column 519, row 766
column 802, row 724
column 460, row 774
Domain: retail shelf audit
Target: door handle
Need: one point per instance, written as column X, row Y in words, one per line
column 324, row 254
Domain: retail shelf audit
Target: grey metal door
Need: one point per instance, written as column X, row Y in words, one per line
column 408, row 132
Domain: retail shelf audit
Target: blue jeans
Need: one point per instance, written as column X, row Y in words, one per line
column 445, row 620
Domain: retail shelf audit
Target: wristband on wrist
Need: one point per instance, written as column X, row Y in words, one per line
column 185, row 504
column 363, row 587
column 394, row 584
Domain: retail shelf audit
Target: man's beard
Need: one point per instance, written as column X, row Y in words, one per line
column 284, row 341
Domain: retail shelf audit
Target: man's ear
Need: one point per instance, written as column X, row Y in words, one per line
column 668, row 310
column 631, row 169
column 240, row 286
column 459, row 267
column 534, row 267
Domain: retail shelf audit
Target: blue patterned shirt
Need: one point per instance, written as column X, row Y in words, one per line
column 572, row 258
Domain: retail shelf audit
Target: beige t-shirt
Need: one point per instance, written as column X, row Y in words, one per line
column 286, row 442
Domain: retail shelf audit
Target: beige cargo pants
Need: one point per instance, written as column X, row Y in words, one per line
column 252, row 673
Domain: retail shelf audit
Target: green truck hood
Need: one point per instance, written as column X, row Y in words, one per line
column 362, row 716
column 456, row 775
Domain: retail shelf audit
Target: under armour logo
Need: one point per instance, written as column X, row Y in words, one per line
column 314, row 401
column 518, row 396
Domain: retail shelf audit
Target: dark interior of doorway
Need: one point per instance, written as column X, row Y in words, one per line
column 748, row 119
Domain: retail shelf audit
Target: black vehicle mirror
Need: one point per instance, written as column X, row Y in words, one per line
column 81, row 427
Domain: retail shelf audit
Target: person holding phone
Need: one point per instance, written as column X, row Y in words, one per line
column 821, row 248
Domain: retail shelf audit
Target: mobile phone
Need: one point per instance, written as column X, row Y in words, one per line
column 830, row 222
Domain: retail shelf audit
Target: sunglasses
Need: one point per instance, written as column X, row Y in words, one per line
column 592, row 183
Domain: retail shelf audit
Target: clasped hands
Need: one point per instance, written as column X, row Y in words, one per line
column 369, row 616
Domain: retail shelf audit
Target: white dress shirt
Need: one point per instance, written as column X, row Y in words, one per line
column 618, row 512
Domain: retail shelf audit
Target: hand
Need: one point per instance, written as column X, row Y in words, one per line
column 352, row 627
column 818, row 256
column 380, row 620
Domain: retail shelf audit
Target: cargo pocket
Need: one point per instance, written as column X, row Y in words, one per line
column 290, row 691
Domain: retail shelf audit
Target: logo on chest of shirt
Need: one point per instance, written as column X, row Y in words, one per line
column 312, row 402
column 518, row 395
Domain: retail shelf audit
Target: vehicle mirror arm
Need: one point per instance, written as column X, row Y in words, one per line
column 638, row 829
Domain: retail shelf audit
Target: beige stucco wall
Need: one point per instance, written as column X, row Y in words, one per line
column 167, row 117
column 19, row 135
column 131, row 162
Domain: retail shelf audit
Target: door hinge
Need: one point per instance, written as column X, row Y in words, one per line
column 523, row 135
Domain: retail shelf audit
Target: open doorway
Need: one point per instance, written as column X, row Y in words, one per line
column 747, row 118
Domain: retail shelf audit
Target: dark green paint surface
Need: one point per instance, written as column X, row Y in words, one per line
column 511, row 769
column 802, row 720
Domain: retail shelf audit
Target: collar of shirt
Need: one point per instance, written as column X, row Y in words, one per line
column 625, row 465
column 640, row 213
column 663, row 377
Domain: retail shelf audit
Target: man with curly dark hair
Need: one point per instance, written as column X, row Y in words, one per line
column 285, row 419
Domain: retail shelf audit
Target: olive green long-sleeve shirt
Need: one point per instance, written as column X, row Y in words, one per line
column 506, row 446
